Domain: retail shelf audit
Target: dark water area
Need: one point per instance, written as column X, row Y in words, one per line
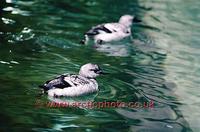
column 39, row 39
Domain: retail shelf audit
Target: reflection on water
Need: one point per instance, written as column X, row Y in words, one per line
column 40, row 39
column 114, row 49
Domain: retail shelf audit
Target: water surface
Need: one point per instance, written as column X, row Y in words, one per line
column 40, row 39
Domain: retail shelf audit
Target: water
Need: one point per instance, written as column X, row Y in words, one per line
column 40, row 39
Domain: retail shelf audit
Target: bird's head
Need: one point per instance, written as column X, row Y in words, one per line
column 128, row 20
column 90, row 70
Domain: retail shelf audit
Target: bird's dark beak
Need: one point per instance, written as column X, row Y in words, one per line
column 136, row 20
column 102, row 72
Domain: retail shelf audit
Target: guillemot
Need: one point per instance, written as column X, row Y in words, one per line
column 74, row 85
column 111, row 31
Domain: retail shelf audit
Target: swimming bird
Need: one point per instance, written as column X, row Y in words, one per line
column 111, row 31
column 74, row 85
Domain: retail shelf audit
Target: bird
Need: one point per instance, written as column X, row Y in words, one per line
column 71, row 85
column 108, row 32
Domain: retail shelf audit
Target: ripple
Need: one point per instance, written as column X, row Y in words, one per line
column 17, row 11
column 4, row 62
column 24, row 35
column 7, row 21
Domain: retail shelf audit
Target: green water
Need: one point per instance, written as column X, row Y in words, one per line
column 39, row 39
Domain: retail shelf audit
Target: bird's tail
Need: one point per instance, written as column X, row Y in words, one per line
column 84, row 40
column 43, row 87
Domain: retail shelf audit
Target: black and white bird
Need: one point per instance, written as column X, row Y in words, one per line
column 108, row 32
column 74, row 85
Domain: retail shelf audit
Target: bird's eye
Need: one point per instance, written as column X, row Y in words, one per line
column 92, row 69
column 95, row 70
